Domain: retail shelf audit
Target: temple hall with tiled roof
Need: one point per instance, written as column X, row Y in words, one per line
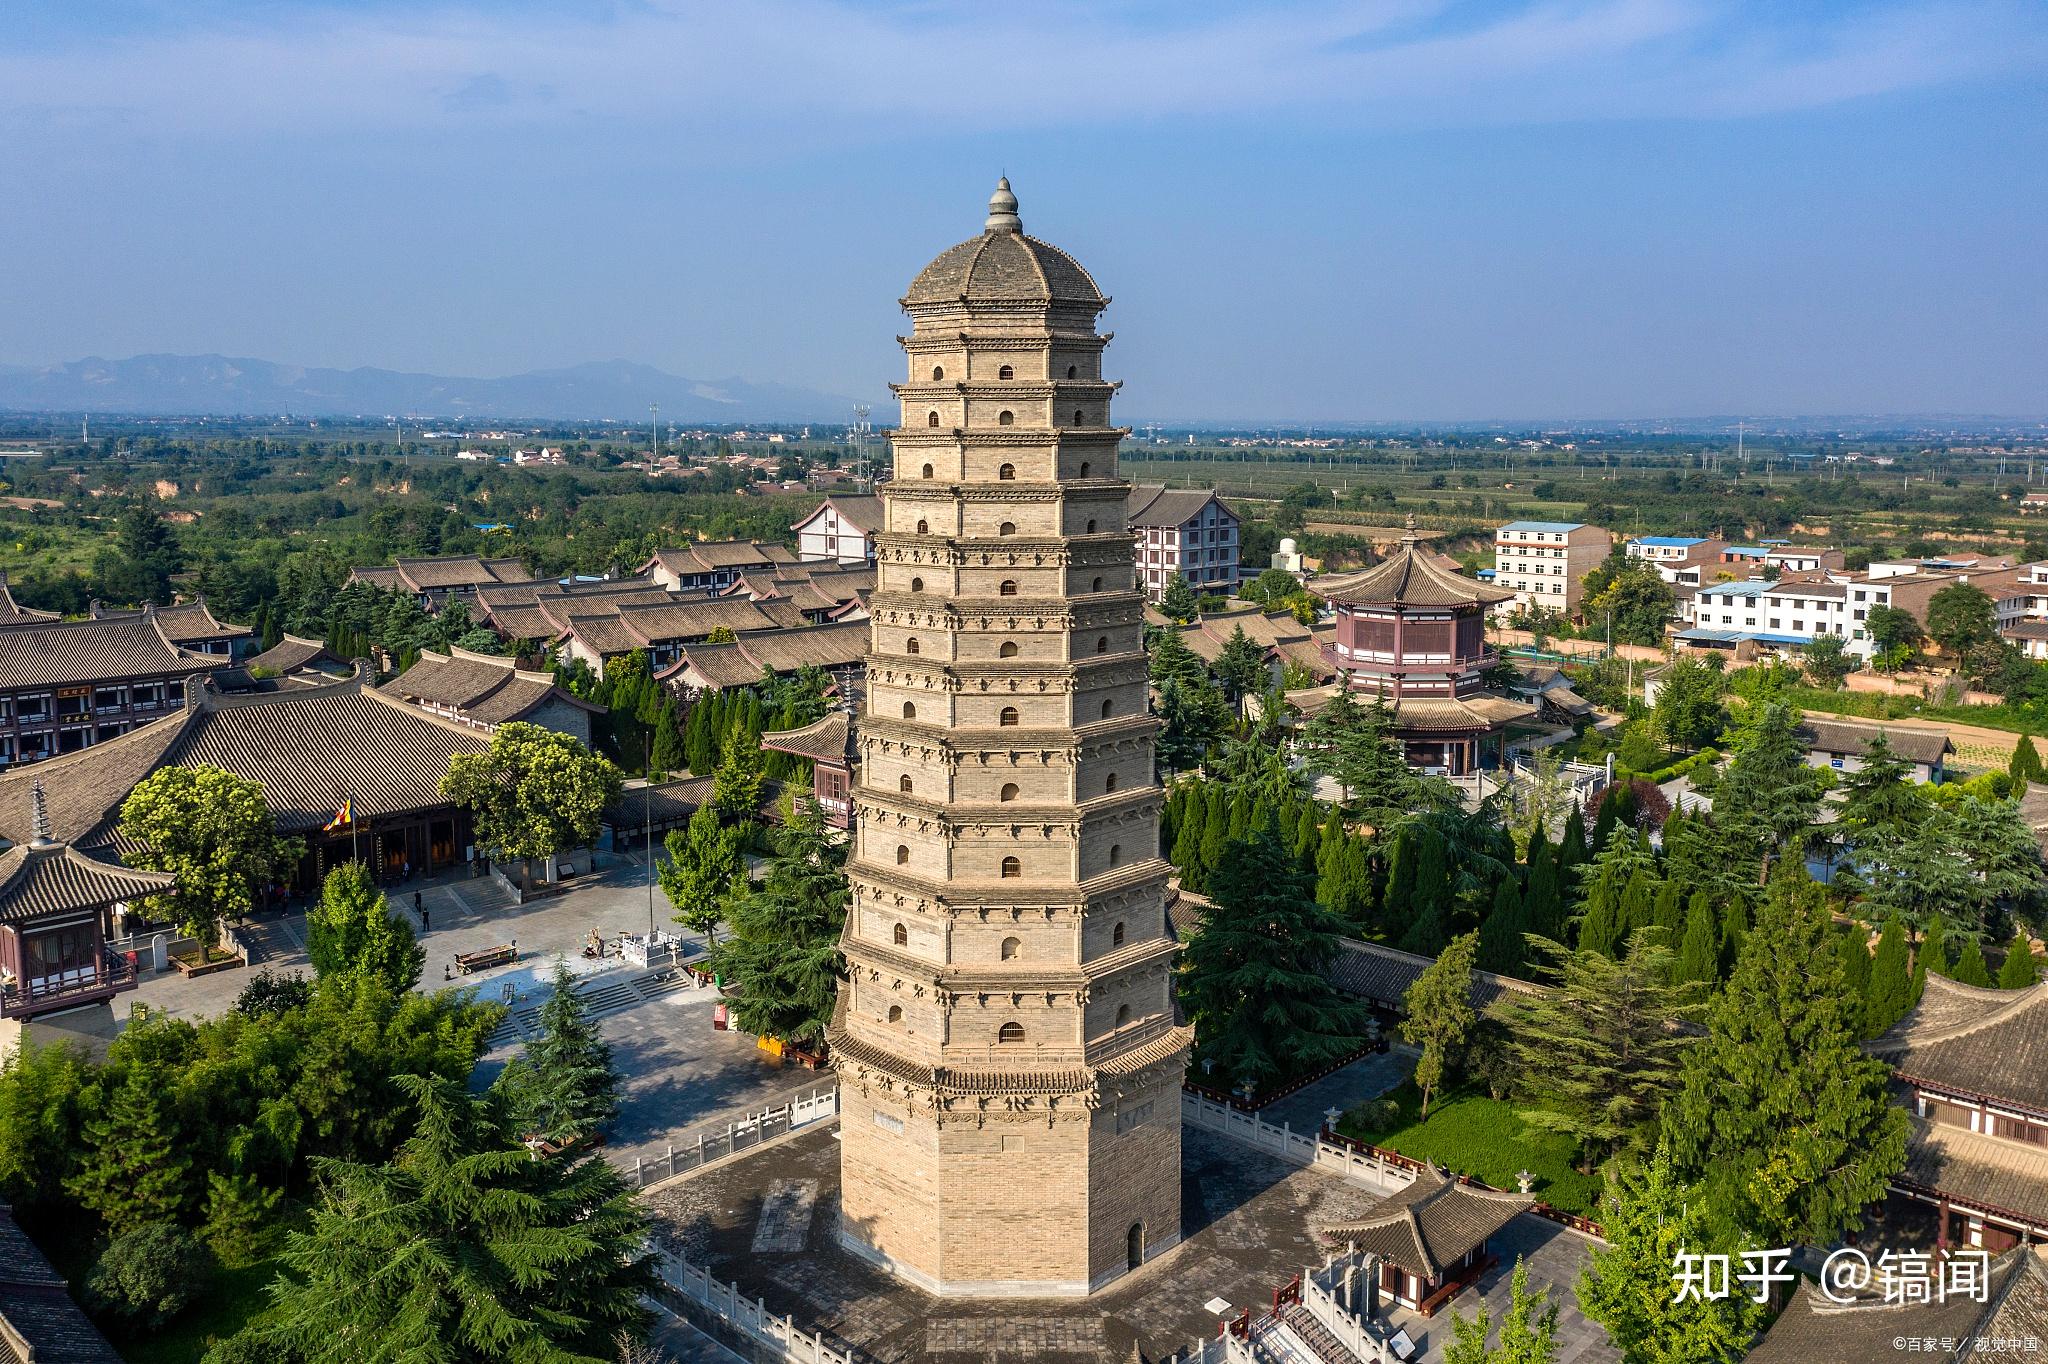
column 1429, row 1238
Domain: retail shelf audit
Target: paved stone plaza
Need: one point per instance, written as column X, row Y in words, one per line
column 1247, row 1223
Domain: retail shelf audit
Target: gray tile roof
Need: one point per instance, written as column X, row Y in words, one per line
column 185, row 623
column 35, row 1306
column 1990, row 1172
column 480, row 687
column 1975, row 1040
column 1813, row 1330
column 290, row 654
column 54, row 878
column 1408, row 577
column 64, row 653
column 1155, row 505
column 821, row 741
column 1381, row 975
column 12, row 613
column 1847, row 737
column 1430, row 1225
column 1004, row 266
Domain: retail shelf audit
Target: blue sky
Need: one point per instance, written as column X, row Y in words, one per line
column 1364, row 211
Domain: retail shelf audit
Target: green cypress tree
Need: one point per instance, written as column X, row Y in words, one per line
column 1501, row 945
column 2021, row 968
column 1734, row 927
column 1604, row 821
column 1330, row 843
column 1780, row 1115
column 670, row 752
column 1668, row 913
column 1253, row 980
column 1699, row 951
column 136, row 1168
column 1637, row 909
column 1540, row 899
column 1969, row 968
column 1240, row 817
column 1170, row 816
column 1307, row 837
column 1571, row 849
column 1215, row 831
column 1601, row 926
column 565, row 1086
column 1854, row 950
column 464, row 1246
column 1891, row 982
column 781, row 954
column 2025, row 764
column 1347, row 890
column 1187, row 845
column 1425, row 924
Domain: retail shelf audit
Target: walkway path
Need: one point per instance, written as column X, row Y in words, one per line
column 1366, row 1078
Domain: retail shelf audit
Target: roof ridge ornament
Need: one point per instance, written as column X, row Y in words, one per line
column 39, row 816
column 1002, row 210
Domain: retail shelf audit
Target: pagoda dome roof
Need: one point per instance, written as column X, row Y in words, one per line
column 1410, row 576
column 1004, row 265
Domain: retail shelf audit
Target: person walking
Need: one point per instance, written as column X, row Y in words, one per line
column 419, row 907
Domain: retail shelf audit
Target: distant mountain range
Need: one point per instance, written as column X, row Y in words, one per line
column 221, row 385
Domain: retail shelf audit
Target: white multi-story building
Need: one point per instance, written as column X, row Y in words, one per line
column 1792, row 613
column 1544, row 563
column 1186, row 531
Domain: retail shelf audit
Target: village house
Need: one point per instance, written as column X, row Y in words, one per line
column 841, row 529
column 1185, row 531
column 1844, row 745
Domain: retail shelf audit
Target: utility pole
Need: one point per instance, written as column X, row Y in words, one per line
column 654, row 424
column 647, row 819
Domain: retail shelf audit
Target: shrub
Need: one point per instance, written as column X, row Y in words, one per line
column 1375, row 1115
column 150, row 1273
column 270, row 993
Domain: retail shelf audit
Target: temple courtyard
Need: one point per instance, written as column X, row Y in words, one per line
column 767, row 1223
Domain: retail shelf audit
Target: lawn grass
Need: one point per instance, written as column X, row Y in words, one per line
column 1485, row 1138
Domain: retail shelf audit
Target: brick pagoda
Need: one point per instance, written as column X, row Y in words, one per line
column 1009, row 1058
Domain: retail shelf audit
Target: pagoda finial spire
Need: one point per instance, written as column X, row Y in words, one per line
column 1002, row 209
column 39, row 816
column 1409, row 539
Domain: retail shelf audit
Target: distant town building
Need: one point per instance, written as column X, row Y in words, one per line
column 840, row 529
column 1670, row 550
column 1186, row 531
column 1543, row 564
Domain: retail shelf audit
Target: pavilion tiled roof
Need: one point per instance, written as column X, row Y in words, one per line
column 64, row 653
column 1430, row 1225
column 1975, row 1040
column 458, row 570
column 822, row 740
column 38, row 879
column 1410, row 576
column 1814, row 1330
column 386, row 578
column 1458, row 713
column 1006, row 267
column 85, row 787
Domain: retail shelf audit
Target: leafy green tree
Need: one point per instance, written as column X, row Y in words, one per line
column 1273, row 587
column 462, row 1247
column 737, row 784
column 1780, row 1115
column 782, row 953
column 1438, row 1014
column 1599, row 1053
column 706, row 865
column 1178, row 602
column 352, row 929
column 2025, row 763
column 1960, row 619
column 1650, row 1215
column 1878, row 798
column 1994, row 843
column 149, row 1274
column 533, row 792
column 1528, row 1333
column 135, row 1168
column 2021, row 968
column 1827, row 662
column 213, row 831
column 1894, row 631
column 1689, row 714
column 565, row 1086
column 1253, row 977
column 1628, row 598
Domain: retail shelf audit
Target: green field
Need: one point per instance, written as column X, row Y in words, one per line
column 1485, row 1138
